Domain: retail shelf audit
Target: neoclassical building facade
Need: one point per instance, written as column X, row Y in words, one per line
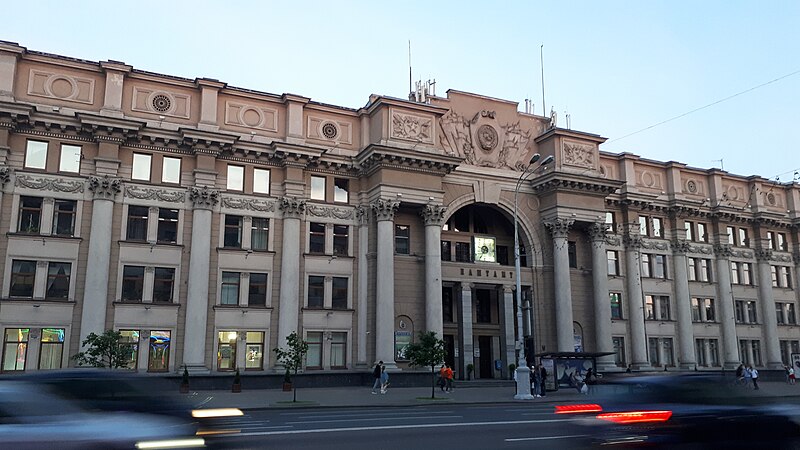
column 207, row 222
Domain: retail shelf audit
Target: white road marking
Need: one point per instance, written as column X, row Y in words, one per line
column 544, row 438
column 377, row 418
column 372, row 414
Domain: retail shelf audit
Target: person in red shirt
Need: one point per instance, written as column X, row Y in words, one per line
column 448, row 375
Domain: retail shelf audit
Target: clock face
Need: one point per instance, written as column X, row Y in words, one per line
column 485, row 249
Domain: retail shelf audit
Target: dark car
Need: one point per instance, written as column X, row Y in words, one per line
column 694, row 411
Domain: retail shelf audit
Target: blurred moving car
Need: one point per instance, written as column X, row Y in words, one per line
column 33, row 418
column 696, row 411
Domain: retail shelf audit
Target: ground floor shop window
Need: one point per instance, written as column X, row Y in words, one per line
column 314, row 355
column 255, row 351
column 619, row 351
column 15, row 349
column 52, row 348
column 226, row 350
column 158, row 360
column 129, row 341
column 661, row 352
column 338, row 350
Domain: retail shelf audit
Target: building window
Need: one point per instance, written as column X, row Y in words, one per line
column 700, row 352
column 782, row 245
column 703, row 310
column 784, row 313
column 341, row 240
column 261, row 181
column 659, row 266
column 171, row 170
column 314, row 355
column 132, row 283
column 502, row 255
column 70, row 160
column 735, row 278
column 15, row 349
column 259, row 233
column 779, row 313
column 316, row 291
column 756, row 345
column 785, row 277
column 141, row 167
column 163, row 284
column 707, row 352
column 257, row 289
column 463, row 253
column 255, row 351
column 612, row 224
column 64, row 217
column 316, row 238
column 446, row 252
column 791, row 318
column 23, row 277
column 447, row 304
column 643, row 229
column 137, row 223
column 233, row 231
column 58, row 280
column 658, row 227
column 699, row 269
column 402, row 245
column 129, row 340
column 339, row 293
column 483, row 306
column 229, row 293
column 774, row 272
column 572, row 254
column 338, row 350
column 318, row 188
column 226, row 350
column 52, row 348
column 702, row 234
column 744, row 241
column 619, row 351
column 36, row 155
column 341, row 190
column 167, row 226
column 746, row 311
column 747, row 278
column 651, row 226
column 235, row 180
column 646, row 272
column 616, row 304
column 657, row 307
column 523, row 256
column 731, row 235
column 158, row 359
column 613, row 262
column 30, row 215
column 661, row 352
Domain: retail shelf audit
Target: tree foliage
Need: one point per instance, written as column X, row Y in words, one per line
column 292, row 357
column 105, row 350
column 428, row 351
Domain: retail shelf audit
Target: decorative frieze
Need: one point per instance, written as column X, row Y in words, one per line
column 385, row 209
column 103, row 187
column 578, row 155
column 250, row 204
column 329, row 211
column 433, row 214
column 46, row 183
column 680, row 246
column 203, row 198
column 723, row 250
column 782, row 257
column 163, row 195
column 292, row 208
column 632, row 241
column 412, row 127
column 559, row 227
column 763, row 254
column 651, row 244
column 613, row 240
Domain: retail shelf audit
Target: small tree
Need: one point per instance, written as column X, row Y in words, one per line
column 429, row 351
column 104, row 350
column 292, row 358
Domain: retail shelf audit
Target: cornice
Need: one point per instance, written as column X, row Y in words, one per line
column 206, row 142
column 563, row 181
column 551, row 132
column 376, row 157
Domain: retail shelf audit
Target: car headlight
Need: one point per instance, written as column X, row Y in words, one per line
column 171, row 443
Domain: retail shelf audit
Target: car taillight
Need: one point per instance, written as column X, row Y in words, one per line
column 636, row 416
column 578, row 409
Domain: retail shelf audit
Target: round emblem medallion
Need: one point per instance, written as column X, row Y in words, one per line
column 161, row 103
column 691, row 186
column 771, row 198
column 487, row 137
column 329, row 130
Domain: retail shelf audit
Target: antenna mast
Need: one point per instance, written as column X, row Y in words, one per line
column 541, row 60
column 410, row 92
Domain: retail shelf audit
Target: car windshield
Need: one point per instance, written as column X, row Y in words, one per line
column 686, row 390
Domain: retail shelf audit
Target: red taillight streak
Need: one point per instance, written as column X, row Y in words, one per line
column 636, row 416
column 578, row 409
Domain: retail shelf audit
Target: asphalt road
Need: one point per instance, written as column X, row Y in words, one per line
column 437, row 427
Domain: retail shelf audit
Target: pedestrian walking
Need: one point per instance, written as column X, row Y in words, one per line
column 384, row 380
column 754, row 374
column 791, row 375
column 537, row 380
column 376, row 374
column 747, row 376
column 543, row 391
column 448, row 378
column 442, row 382
column 786, row 373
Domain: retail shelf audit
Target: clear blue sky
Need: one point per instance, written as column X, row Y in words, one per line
column 615, row 66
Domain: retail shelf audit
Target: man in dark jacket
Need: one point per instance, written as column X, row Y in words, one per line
column 544, row 382
column 376, row 374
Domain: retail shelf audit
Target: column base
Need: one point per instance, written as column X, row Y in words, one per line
column 603, row 365
column 523, row 384
column 642, row 367
column 730, row 365
column 687, row 366
column 195, row 369
column 775, row 365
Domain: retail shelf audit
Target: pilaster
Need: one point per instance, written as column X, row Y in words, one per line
column 633, row 245
column 384, row 303
column 683, row 305
column 766, row 297
column 289, row 303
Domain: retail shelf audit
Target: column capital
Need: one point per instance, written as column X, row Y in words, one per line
column 433, row 214
column 632, row 241
column 559, row 227
column 203, row 198
column 680, row 246
column 362, row 214
column 467, row 286
column 763, row 255
column 5, row 175
column 104, row 187
column 507, row 289
column 723, row 250
column 796, row 257
column 597, row 232
column 385, row 209
column 293, row 208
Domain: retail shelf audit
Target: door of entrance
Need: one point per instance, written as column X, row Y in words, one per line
column 450, row 348
column 485, row 369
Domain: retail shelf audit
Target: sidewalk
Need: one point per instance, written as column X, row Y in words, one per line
column 412, row 396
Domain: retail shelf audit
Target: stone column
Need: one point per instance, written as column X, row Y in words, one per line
column 5, row 176
column 727, row 310
column 95, row 292
column 602, row 306
column 194, row 340
column 433, row 216
column 510, row 342
column 466, row 327
column 384, row 304
column 563, row 290
column 633, row 278
column 771, row 345
column 362, row 216
column 683, row 305
column 289, row 301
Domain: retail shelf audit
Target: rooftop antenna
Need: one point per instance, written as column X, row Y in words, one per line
column 410, row 88
column 721, row 163
column 568, row 116
column 541, row 61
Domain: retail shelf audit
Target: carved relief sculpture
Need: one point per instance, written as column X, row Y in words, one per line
column 385, row 209
column 478, row 141
column 412, row 128
column 723, row 251
column 49, row 184
column 250, row 204
column 104, row 187
column 203, row 198
column 292, row 208
column 5, row 175
column 433, row 214
column 578, row 155
column 680, row 246
column 329, row 211
column 155, row 194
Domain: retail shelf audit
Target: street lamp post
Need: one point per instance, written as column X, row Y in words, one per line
column 523, row 373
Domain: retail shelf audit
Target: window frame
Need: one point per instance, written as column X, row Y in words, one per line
column 59, row 213
column 229, row 227
column 250, row 291
column 29, row 151
column 139, row 219
column 171, row 178
column 233, row 280
column 259, row 225
column 318, row 286
column 232, row 182
column 344, row 191
column 257, row 184
column 615, row 300
column 16, row 275
column 314, row 188
column 49, row 284
column 128, row 278
column 142, row 157
column 28, row 209
column 165, row 225
column 405, row 237
column 77, row 152
column 165, row 281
